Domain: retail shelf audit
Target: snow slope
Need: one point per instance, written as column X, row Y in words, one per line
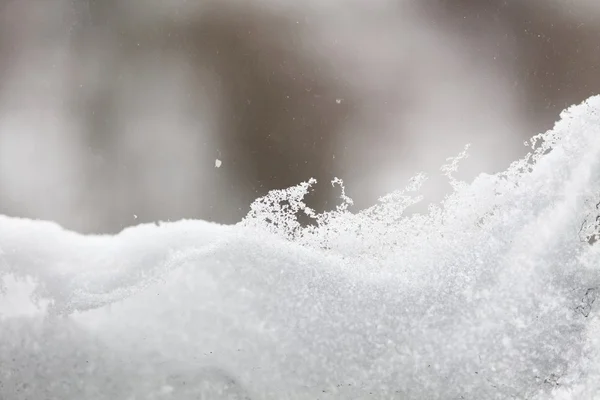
column 489, row 296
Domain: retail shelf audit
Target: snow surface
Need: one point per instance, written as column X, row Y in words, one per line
column 489, row 296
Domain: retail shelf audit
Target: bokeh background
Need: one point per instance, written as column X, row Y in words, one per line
column 118, row 112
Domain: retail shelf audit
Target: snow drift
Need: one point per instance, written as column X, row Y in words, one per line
column 491, row 295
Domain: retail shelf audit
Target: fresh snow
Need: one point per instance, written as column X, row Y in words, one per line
column 491, row 295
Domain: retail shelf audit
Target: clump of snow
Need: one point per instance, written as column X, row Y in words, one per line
column 491, row 295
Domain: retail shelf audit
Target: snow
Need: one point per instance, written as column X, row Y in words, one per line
column 491, row 295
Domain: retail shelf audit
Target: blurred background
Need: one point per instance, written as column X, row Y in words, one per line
column 117, row 112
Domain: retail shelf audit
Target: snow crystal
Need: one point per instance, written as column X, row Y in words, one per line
column 490, row 295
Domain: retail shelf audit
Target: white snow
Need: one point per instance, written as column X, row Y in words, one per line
column 489, row 296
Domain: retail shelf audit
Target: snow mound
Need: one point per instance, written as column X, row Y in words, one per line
column 491, row 295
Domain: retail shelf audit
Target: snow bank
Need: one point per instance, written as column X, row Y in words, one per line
column 489, row 296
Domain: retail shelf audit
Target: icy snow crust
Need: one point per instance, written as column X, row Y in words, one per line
column 489, row 296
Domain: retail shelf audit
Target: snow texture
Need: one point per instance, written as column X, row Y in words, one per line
column 491, row 295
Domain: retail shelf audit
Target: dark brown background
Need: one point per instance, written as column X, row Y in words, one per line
column 114, row 112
